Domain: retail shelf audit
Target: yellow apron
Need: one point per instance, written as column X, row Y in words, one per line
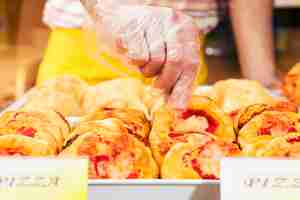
column 67, row 54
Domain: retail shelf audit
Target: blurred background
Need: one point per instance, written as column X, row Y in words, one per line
column 23, row 38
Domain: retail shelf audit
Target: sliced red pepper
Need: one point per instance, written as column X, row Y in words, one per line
column 29, row 132
column 213, row 124
column 292, row 129
column 293, row 139
column 199, row 171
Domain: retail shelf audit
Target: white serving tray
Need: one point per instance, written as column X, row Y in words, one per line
column 148, row 189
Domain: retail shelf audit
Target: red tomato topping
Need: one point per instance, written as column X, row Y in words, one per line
column 293, row 139
column 234, row 113
column 274, row 122
column 292, row 129
column 29, row 132
column 233, row 148
column 196, row 167
column 133, row 175
column 174, row 135
column 107, row 109
column 100, row 158
column 264, row 131
column 96, row 160
column 285, row 106
column 10, row 152
column 212, row 122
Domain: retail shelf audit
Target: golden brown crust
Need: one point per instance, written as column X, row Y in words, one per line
column 269, row 123
column 135, row 121
column 291, row 84
column 234, row 94
column 34, row 124
column 249, row 112
column 24, row 146
column 118, row 93
column 54, row 117
column 46, row 99
column 113, row 154
column 287, row 146
column 199, row 158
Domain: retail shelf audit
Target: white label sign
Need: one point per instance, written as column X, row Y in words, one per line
column 43, row 178
column 260, row 179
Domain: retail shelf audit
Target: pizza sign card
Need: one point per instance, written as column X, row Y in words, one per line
column 43, row 178
column 260, row 179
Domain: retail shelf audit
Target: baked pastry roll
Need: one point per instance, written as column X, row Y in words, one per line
column 291, row 84
column 68, row 84
column 134, row 120
column 118, row 93
column 280, row 147
column 198, row 158
column 112, row 151
column 247, row 113
column 201, row 116
column 269, row 123
column 234, row 94
column 19, row 145
column 49, row 127
column 64, row 94
column 53, row 117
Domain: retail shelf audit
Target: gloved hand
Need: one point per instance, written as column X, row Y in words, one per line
column 162, row 42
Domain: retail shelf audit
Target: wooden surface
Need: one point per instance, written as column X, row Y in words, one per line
column 19, row 61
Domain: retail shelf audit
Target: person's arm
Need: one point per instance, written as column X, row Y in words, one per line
column 252, row 24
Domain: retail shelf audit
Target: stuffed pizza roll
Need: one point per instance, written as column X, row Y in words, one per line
column 172, row 126
column 269, row 123
column 34, row 124
column 118, row 93
column 53, row 117
column 247, row 113
column 135, row 121
column 68, row 84
column 44, row 98
column 199, row 158
column 112, row 151
column 19, row 145
column 280, row 147
column 291, row 84
column 234, row 94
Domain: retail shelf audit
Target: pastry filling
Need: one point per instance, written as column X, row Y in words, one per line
column 234, row 113
column 275, row 126
column 133, row 175
column 99, row 164
column 11, row 152
column 199, row 119
column 197, row 168
column 26, row 131
column 294, row 139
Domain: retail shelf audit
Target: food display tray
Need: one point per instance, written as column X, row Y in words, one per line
column 147, row 189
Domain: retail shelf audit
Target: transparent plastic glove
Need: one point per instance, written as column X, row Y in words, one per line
column 162, row 42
